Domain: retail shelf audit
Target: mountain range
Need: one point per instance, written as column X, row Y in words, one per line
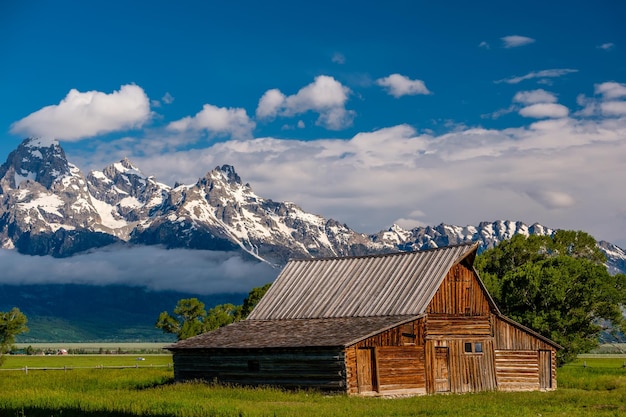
column 49, row 207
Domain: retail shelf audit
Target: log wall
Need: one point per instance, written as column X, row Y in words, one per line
column 319, row 368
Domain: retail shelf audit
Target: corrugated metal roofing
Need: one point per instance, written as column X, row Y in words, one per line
column 399, row 284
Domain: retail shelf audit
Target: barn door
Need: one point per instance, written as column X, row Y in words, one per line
column 545, row 369
column 366, row 369
column 442, row 369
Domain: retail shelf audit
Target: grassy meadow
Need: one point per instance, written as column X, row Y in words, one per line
column 597, row 389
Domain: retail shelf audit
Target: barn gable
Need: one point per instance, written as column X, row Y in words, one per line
column 419, row 322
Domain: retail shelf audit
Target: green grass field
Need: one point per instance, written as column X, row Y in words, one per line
column 599, row 389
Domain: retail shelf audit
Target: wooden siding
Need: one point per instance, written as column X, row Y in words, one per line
column 411, row 333
column 517, row 370
column 510, row 337
column 400, row 368
column 517, row 358
column 460, row 293
column 307, row 368
column 447, row 326
column 468, row 372
column 396, row 361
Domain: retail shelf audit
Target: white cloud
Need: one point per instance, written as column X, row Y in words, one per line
column 607, row 46
column 399, row 85
column 534, row 96
column 270, row 103
column 557, row 172
column 542, row 75
column 544, row 110
column 195, row 271
column 608, row 104
column 81, row 115
column 325, row 96
column 613, row 108
column 217, row 121
column 611, row 89
column 560, row 172
column 484, row 45
column 513, row 41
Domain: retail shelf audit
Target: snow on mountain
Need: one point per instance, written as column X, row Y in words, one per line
column 48, row 207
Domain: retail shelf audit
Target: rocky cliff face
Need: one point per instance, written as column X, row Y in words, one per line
column 48, row 207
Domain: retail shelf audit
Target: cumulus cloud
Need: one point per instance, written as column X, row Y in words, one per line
column 610, row 90
column 270, row 104
column 399, row 85
column 86, row 114
column 534, row 96
column 561, row 172
column 541, row 75
column 544, row 110
column 325, row 96
column 613, row 108
column 484, row 45
column 525, row 98
column 514, row 41
column 217, row 121
column 200, row 272
column 607, row 104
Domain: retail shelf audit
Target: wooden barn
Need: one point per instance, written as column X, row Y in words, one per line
column 403, row 323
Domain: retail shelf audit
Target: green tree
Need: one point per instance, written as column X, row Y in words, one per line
column 252, row 299
column 222, row 315
column 190, row 317
column 12, row 323
column 558, row 286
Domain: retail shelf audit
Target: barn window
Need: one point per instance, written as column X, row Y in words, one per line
column 476, row 347
column 254, row 366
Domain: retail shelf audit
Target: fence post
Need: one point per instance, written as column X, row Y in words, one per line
column 26, row 370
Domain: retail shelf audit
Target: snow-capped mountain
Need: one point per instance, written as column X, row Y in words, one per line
column 47, row 204
column 48, row 207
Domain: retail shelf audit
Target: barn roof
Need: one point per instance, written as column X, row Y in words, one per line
column 252, row 334
column 398, row 284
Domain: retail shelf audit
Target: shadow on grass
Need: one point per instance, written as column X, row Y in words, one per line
column 67, row 412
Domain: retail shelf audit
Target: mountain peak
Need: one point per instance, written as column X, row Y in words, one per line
column 38, row 159
column 229, row 172
column 38, row 142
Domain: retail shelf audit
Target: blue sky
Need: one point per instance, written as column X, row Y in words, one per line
column 368, row 112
